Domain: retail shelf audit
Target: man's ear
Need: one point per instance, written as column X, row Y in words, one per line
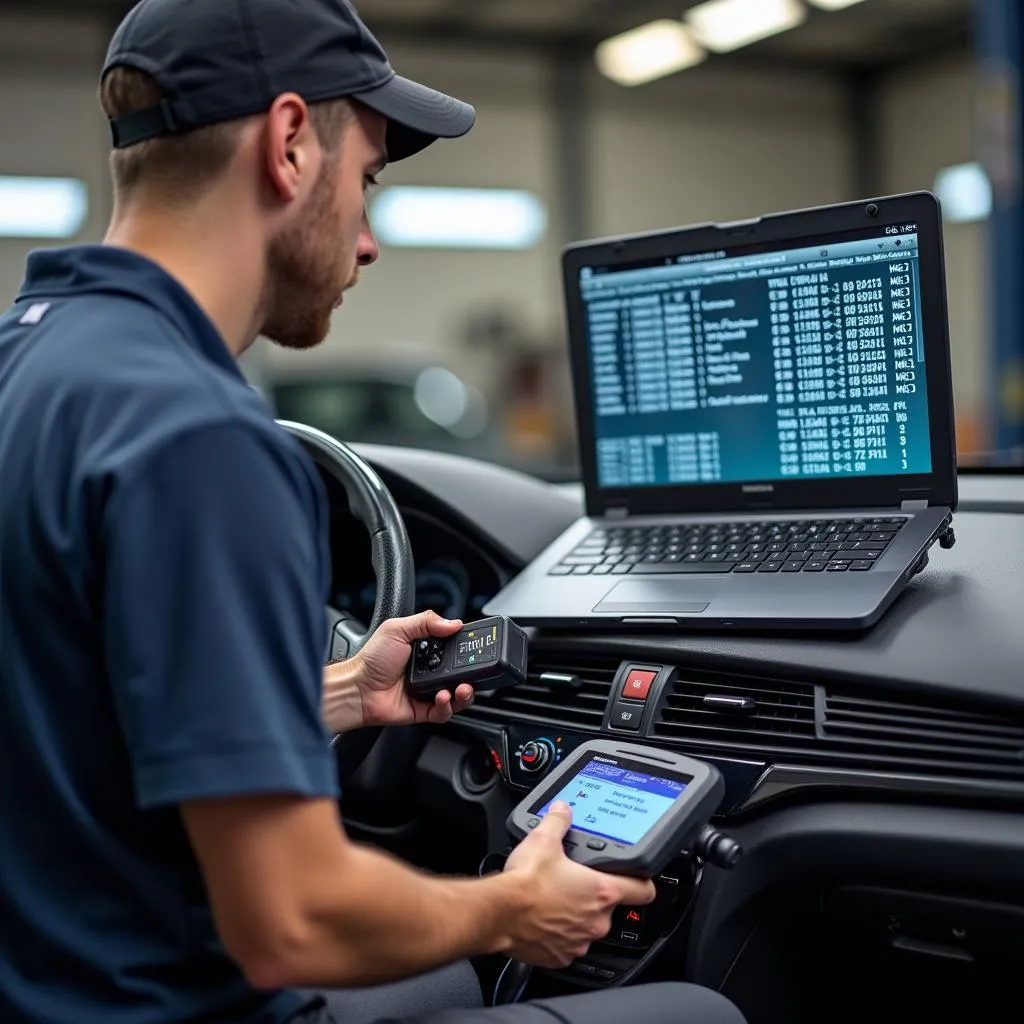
column 289, row 145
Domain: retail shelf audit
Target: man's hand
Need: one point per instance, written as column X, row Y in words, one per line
column 369, row 689
column 382, row 665
column 570, row 906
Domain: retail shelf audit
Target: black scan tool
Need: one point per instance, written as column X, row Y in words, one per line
column 634, row 808
column 488, row 654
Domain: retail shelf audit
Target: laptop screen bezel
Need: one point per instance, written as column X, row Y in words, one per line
column 936, row 488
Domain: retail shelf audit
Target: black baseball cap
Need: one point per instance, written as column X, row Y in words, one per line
column 216, row 60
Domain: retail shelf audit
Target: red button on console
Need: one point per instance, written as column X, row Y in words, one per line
column 638, row 684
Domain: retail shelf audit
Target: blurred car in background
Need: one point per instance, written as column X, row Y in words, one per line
column 425, row 407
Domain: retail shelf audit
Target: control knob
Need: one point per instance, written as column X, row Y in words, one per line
column 536, row 755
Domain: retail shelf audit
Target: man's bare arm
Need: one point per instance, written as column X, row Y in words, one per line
column 297, row 904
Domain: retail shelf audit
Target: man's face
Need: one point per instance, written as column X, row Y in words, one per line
column 313, row 261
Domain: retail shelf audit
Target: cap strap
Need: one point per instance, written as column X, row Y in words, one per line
column 143, row 124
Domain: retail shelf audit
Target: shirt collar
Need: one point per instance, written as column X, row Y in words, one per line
column 108, row 270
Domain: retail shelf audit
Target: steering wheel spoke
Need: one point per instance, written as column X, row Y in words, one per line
column 345, row 635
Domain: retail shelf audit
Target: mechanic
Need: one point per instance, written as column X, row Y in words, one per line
column 172, row 849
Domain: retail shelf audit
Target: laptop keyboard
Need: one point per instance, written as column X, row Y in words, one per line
column 807, row 545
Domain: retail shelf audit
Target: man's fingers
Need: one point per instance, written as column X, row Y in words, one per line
column 637, row 892
column 442, row 709
column 556, row 822
column 445, row 707
column 436, row 625
column 419, row 627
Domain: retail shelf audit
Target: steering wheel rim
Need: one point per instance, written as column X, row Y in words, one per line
column 373, row 505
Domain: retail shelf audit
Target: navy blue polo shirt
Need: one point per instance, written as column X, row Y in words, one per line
column 163, row 575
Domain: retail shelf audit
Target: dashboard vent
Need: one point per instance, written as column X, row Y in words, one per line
column 562, row 689
column 737, row 714
column 930, row 737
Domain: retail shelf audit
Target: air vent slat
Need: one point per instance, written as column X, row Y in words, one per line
column 544, row 693
column 555, row 719
column 761, row 723
column 929, row 736
column 524, row 703
column 904, row 725
column 852, row 706
column 939, row 750
column 578, row 707
column 696, row 706
column 779, row 715
column 727, row 689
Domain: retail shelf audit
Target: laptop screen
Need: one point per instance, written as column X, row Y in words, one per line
column 755, row 364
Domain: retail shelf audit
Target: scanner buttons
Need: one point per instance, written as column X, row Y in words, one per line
column 429, row 655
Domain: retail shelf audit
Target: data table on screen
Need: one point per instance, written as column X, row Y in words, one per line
column 805, row 363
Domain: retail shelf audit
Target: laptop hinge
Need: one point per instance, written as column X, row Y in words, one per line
column 616, row 513
column 913, row 504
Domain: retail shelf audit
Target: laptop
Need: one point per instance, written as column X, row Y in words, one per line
column 765, row 421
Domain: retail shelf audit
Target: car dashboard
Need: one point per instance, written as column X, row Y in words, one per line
column 875, row 780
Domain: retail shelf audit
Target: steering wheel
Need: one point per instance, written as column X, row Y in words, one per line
column 373, row 505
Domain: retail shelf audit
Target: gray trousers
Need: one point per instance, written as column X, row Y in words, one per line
column 452, row 996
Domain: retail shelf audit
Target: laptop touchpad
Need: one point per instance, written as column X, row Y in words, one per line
column 632, row 596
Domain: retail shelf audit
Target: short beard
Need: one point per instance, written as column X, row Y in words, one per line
column 303, row 270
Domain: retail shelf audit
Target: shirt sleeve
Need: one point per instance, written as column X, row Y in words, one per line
column 214, row 621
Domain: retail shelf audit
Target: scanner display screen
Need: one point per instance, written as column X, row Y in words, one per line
column 617, row 799
column 476, row 647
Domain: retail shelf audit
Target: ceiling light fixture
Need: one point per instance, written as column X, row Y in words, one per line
column 834, row 5
column 724, row 25
column 651, row 51
column 965, row 193
column 458, row 218
column 42, row 207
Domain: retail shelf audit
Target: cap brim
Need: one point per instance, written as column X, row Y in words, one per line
column 417, row 116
